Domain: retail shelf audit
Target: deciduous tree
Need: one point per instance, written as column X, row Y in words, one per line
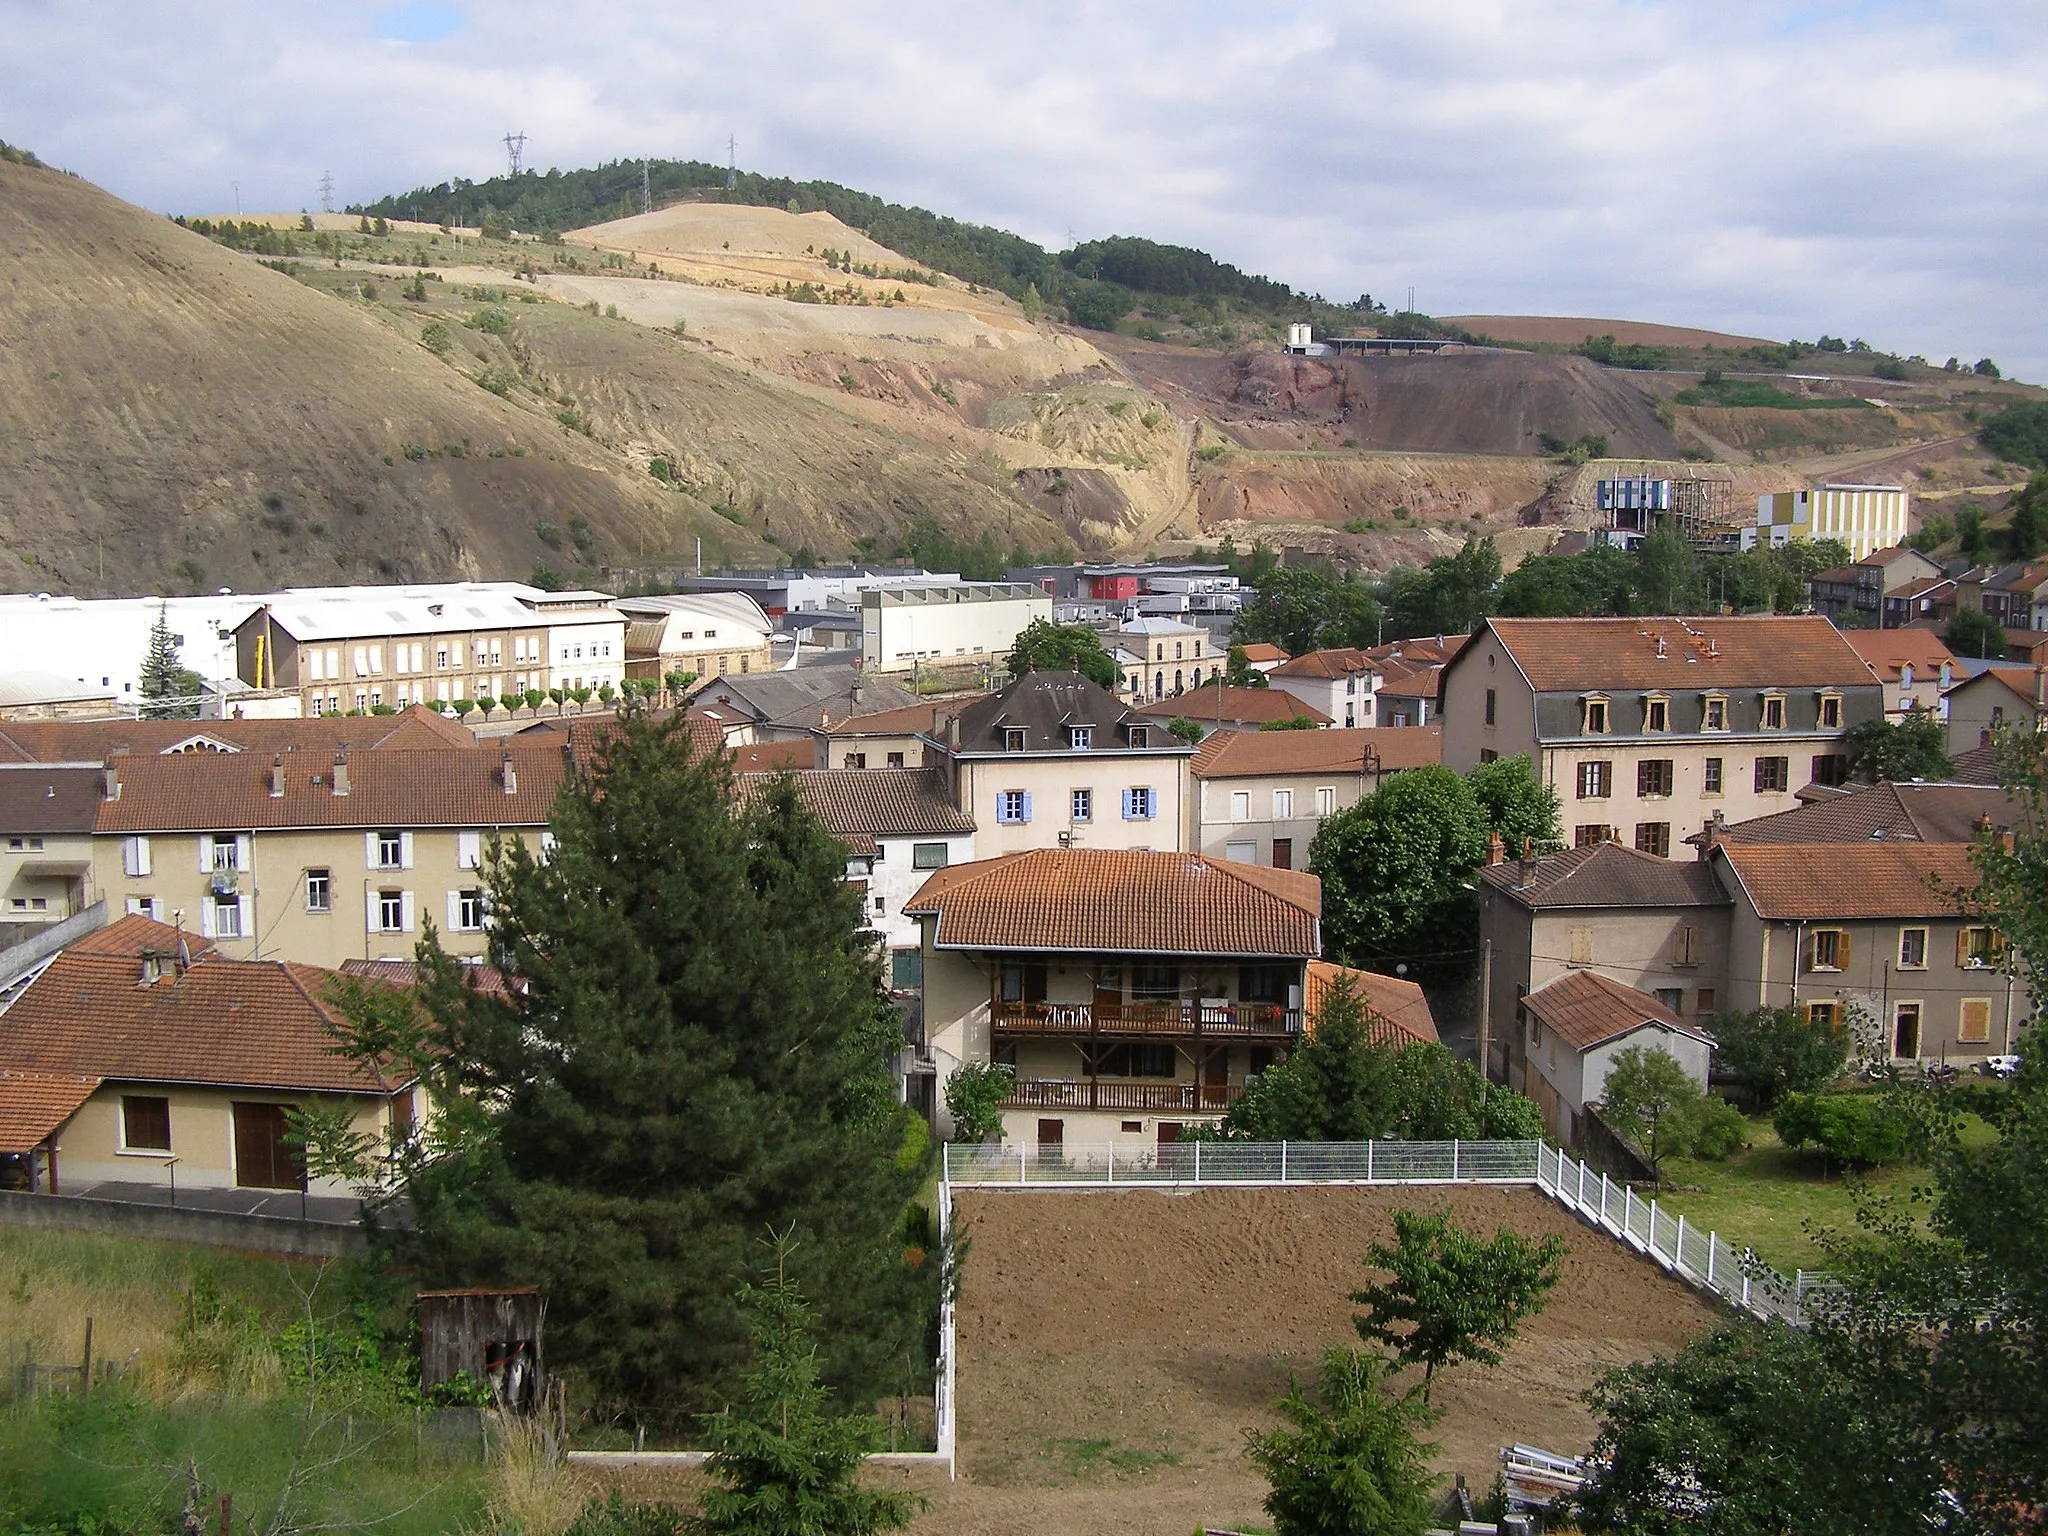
column 1349, row 1459
column 1771, row 1052
column 1043, row 646
column 1648, row 1098
column 1916, row 747
column 1396, row 868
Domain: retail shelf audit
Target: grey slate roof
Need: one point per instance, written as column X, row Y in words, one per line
column 804, row 696
column 1047, row 705
column 1922, row 813
column 36, row 798
column 1606, row 875
column 876, row 802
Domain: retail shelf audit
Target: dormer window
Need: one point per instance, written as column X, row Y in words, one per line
column 1596, row 715
column 1714, row 713
column 1831, row 711
column 1013, row 738
column 1081, row 737
column 1905, row 674
column 1141, row 736
column 1774, row 711
column 1656, row 713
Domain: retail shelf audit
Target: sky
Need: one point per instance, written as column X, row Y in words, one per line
column 1860, row 168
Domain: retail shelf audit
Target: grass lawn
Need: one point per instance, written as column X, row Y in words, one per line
column 1768, row 1195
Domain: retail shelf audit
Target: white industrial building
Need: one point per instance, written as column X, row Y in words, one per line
column 945, row 623
column 100, row 643
column 1866, row 518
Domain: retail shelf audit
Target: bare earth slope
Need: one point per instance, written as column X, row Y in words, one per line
column 1570, row 330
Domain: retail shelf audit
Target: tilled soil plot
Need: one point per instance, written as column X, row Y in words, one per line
column 1115, row 1347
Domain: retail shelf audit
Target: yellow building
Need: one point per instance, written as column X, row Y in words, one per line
column 1866, row 518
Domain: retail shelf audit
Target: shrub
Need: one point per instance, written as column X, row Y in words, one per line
column 1209, row 453
column 1857, row 1129
column 974, row 1098
column 1717, row 1129
column 491, row 320
column 434, row 337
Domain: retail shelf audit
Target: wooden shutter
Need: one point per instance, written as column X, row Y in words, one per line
column 245, row 853
column 1027, row 807
column 1974, row 1026
column 247, row 919
column 405, row 850
column 1844, row 947
column 371, row 914
column 454, row 911
column 1688, row 945
column 206, row 917
column 469, row 849
column 370, row 850
column 408, row 908
column 206, row 853
column 1582, row 946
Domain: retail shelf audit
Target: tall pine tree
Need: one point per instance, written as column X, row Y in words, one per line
column 167, row 688
column 700, row 1051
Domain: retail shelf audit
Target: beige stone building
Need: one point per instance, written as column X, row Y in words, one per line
column 705, row 634
column 1260, row 796
column 1650, row 728
column 46, row 863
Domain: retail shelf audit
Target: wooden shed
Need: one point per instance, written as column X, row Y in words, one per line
column 491, row 1335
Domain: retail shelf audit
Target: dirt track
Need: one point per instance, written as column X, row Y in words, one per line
column 1166, row 1324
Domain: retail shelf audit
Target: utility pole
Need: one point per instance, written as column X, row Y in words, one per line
column 646, row 194
column 515, row 151
column 732, row 164
column 238, row 199
column 327, row 191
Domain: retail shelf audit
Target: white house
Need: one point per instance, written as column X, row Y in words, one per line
column 1576, row 1026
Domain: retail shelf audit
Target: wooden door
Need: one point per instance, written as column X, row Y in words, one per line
column 1052, row 1136
column 263, row 1158
column 1169, row 1133
column 1283, row 853
column 1215, row 1079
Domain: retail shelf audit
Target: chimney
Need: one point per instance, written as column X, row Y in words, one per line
column 341, row 773
column 1983, row 822
column 1660, row 647
column 1710, row 834
column 1496, row 850
column 953, row 732
column 110, row 783
column 508, row 775
column 277, row 777
column 1527, row 872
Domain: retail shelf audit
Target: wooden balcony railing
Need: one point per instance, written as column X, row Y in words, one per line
column 1099, row 1093
column 1184, row 1017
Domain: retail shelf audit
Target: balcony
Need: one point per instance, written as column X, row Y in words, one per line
column 223, row 882
column 1185, row 1016
column 1117, row 1093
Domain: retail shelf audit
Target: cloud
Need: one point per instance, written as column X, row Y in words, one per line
column 1850, row 166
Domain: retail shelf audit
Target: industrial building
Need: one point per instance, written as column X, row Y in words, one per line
column 945, row 623
column 1866, row 518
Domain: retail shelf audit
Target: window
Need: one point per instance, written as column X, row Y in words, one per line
column 1828, row 950
column 906, row 969
column 468, row 911
column 319, row 891
column 1013, row 807
column 1710, row 776
column 1912, row 949
column 1491, row 705
column 1656, row 713
column 1654, row 837
column 1326, row 802
column 1140, row 803
column 1977, row 948
column 1672, row 998
column 1831, row 711
column 1581, row 950
column 1773, row 775
column 856, row 760
column 1594, row 779
column 1135, row 1061
column 1774, row 711
column 1283, row 853
column 1013, row 738
column 145, row 1123
column 1685, row 947
column 1906, row 1030
column 390, row 850
column 1141, row 736
column 928, row 855
column 31, row 903
column 1831, row 768
column 1241, row 853
column 1081, row 805
column 1240, row 805
column 25, row 844
column 1714, row 713
column 227, row 916
column 1488, row 755
column 1588, row 835
column 1703, row 1000
column 223, row 852
column 1823, row 1015
column 1081, row 737
column 1973, row 1024
column 1596, row 717
column 895, row 759
column 1654, row 776
column 1283, row 804
column 390, row 911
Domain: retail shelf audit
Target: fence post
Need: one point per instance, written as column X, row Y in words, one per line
column 1111, row 1178
column 1627, row 1199
column 1713, row 1242
column 1582, row 1185
column 1283, row 1162
column 1653, row 1226
column 1603, row 1196
column 1678, row 1258
column 1454, row 1159
column 1368, row 1160
column 1198, row 1163
column 1745, row 1288
column 1023, row 1173
column 946, row 1162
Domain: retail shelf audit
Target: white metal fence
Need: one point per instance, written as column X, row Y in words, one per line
column 1702, row 1258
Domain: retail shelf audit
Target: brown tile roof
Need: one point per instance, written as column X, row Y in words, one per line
column 1744, row 651
column 2021, row 682
column 1336, row 662
column 133, row 936
column 1262, row 754
column 774, row 756
column 1849, row 881
column 34, row 1105
column 229, row 1023
column 876, row 802
column 1884, row 651
column 1261, row 651
column 1919, row 813
column 1585, row 1009
column 92, row 741
column 210, row 792
column 487, row 979
column 910, row 720
column 1978, row 765
column 589, row 732
column 35, row 799
column 1606, row 875
column 1123, row 902
column 1419, row 650
column 1238, row 706
column 1920, row 586
column 1398, row 1002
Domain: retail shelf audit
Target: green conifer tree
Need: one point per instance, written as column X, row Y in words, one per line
column 168, row 690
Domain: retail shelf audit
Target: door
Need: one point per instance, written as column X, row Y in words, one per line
column 263, row 1158
column 1052, row 1137
column 1169, row 1133
column 1906, row 1031
column 1216, row 1079
column 1283, row 853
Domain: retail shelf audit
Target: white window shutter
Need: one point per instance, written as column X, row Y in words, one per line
column 137, row 904
column 153, row 906
column 409, row 909
column 454, row 911
column 1128, row 806
column 248, row 918
column 370, row 850
column 405, row 850
column 372, row 918
column 206, row 853
column 206, row 917
column 1027, row 806
column 547, row 846
column 469, row 850
column 245, row 853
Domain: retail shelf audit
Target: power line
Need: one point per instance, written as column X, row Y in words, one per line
column 732, row 166
column 327, row 191
column 515, row 151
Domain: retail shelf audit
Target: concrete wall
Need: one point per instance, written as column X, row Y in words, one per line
column 26, row 880
column 163, row 1224
column 1348, row 701
column 1484, row 664
column 1050, row 780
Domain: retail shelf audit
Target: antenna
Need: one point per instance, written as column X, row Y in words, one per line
column 646, row 196
column 327, row 191
column 515, row 150
column 732, row 167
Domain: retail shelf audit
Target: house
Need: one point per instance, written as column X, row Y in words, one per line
column 705, row 634
column 1132, row 993
column 2015, row 596
column 1952, row 812
column 1647, row 727
column 316, row 858
column 94, row 741
column 1219, row 707
column 1263, row 657
column 29, row 695
column 1397, row 1012
column 1163, row 657
column 1913, row 664
column 1408, row 672
column 1925, row 600
column 945, row 624
column 789, row 705
column 1858, row 595
column 1259, row 796
column 884, row 738
column 138, row 1060
column 1055, row 760
column 1338, row 683
column 1576, row 1025
column 1649, row 925
column 1997, row 696
column 46, row 820
column 1870, row 935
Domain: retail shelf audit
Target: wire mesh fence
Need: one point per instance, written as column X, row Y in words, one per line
column 1248, row 1163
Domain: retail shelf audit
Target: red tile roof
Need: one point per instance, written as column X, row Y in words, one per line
column 35, row 1105
column 876, row 802
column 487, row 979
column 1847, row 882
column 1337, row 662
column 134, row 936
column 910, row 720
column 774, row 756
column 1744, row 651
column 1399, row 1004
column 1259, row 652
column 1238, row 706
column 225, row 1023
column 1123, row 902
column 1885, row 651
column 90, row 741
column 1263, row 754
column 1585, row 1009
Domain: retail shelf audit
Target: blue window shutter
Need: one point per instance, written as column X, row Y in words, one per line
column 1130, row 806
column 1027, row 806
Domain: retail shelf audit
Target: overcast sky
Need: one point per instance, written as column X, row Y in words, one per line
column 1769, row 167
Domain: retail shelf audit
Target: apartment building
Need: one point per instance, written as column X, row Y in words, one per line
column 1132, row 993
column 1573, row 1029
column 1339, row 684
column 1862, row 595
column 788, row 705
column 885, row 738
column 357, row 649
column 1997, row 697
column 318, row 859
column 1647, row 728
column 945, row 624
column 1865, row 518
column 707, row 634
column 1162, row 657
column 1408, row 672
column 1055, row 760
column 1260, row 796
column 46, row 824
column 1914, row 666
